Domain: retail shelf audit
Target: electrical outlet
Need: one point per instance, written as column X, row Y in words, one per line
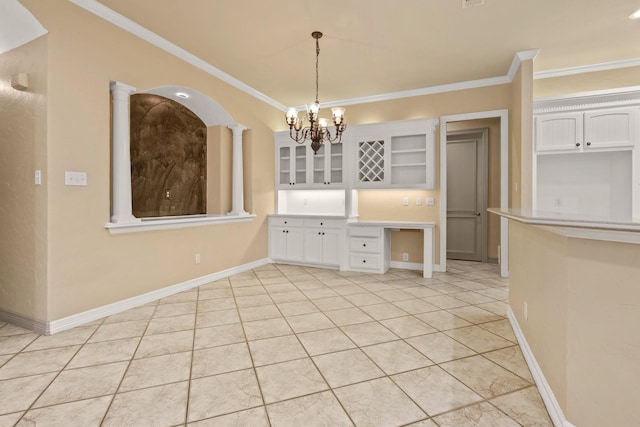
column 430, row 201
column 75, row 178
column 419, row 201
column 197, row 258
column 405, row 201
column 405, row 257
column 167, row 194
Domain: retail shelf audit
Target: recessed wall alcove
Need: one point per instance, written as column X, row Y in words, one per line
column 168, row 158
column 176, row 157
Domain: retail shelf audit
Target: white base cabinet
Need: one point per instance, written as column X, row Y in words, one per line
column 285, row 239
column 313, row 241
column 367, row 249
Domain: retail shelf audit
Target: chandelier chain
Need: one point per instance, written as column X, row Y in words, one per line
column 317, row 56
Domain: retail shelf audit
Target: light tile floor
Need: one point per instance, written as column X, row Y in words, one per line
column 284, row 346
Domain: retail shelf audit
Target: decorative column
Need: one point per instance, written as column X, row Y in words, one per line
column 237, row 181
column 121, row 210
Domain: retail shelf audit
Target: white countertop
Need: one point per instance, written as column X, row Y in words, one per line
column 335, row 216
column 395, row 224
column 528, row 216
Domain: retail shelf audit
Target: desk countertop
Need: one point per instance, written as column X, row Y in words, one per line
column 395, row 224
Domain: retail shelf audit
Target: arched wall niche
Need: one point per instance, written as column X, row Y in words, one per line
column 169, row 147
column 223, row 159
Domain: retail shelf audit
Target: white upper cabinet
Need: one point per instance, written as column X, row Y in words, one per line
column 394, row 154
column 588, row 130
column 297, row 167
column 291, row 165
column 379, row 155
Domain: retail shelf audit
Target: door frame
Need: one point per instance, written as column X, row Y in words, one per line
column 503, row 115
column 482, row 158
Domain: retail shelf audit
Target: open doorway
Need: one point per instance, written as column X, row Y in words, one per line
column 497, row 183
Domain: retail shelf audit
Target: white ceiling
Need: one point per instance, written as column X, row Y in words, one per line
column 373, row 47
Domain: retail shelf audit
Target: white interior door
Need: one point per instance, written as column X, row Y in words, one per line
column 467, row 153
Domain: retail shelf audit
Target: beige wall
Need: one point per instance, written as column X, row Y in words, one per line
column 582, row 327
column 521, row 140
column 538, row 276
column 219, row 156
column 23, row 149
column 387, row 204
column 586, row 82
column 88, row 267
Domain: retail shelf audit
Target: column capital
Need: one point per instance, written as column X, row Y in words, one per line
column 122, row 89
column 236, row 127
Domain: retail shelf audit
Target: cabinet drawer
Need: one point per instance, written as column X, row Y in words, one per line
column 363, row 230
column 285, row 221
column 365, row 261
column 322, row 222
column 364, row 244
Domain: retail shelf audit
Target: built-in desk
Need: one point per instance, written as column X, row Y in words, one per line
column 369, row 248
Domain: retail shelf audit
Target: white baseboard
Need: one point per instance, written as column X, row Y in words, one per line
column 406, row 265
column 414, row 266
column 59, row 325
column 550, row 401
column 37, row 326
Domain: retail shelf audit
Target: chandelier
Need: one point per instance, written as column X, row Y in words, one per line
column 318, row 130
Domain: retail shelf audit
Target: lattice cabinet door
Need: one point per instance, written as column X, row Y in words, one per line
column 371, row 161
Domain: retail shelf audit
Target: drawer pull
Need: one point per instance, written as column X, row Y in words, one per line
column 322, row 223
column 285, row 222
column 364, row 245
column 364, row 261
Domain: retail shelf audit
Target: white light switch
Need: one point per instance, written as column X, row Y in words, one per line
column 405, row 201
column 430, row 201
column 418, row 201
column 38, row 177
column 75, row 178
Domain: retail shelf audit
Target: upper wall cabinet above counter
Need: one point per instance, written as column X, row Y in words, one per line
column 588, row 130
column 371, row 156
column 587, row 122
column 297, row 167
column 394, row 154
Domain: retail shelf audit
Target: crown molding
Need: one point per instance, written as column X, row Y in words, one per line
column 604, row 66
column 524, row 55
column 588, row 100
column 137, row 30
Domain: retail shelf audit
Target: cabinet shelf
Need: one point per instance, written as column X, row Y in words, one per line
column 404, row 165
column 413, row 150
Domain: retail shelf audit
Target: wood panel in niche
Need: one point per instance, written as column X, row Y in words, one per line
column 168, row 158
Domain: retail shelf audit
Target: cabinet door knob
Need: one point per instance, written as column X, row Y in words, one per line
column 322, row 223
column 285, row 222
column 588, row 144
column 577, row 144
column 364, row 261
column 323, row 233
column 364, row 245
column 318, row 233
column 287, row 231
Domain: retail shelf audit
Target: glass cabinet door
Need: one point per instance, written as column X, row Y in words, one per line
column 284, row 177
column 318, row 161
column 301, row 164
column 335, row 164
